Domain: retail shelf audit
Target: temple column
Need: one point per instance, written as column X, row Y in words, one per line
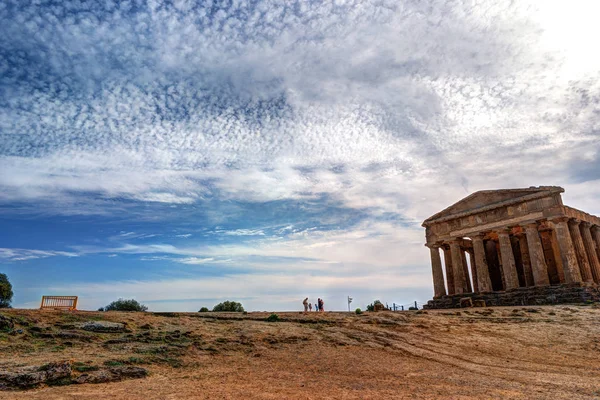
column 596, row 234
column 536, row 253
column 468, row 288
column 460, row 282
column 567, row 252
column 436, row 269
column 449, row 269
column 525, row 259
column 557, row 258
column 508, row 260
column 590, row 249
column 484, row 282
column 582, row 258
column 473, row 270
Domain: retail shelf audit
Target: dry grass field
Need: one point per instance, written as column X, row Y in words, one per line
column 480, row 353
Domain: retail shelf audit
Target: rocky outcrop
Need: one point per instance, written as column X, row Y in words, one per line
column 32, row 377
column 62, row 373
column 103, row 326
column 112, row 374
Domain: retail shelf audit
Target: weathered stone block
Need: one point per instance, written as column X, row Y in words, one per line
column 466, row 302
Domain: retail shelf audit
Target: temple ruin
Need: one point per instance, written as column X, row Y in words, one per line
column 523, row 246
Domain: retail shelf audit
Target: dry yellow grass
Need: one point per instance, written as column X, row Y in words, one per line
column 522, row 353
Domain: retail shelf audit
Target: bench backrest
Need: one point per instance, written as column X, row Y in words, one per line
column 59, row 302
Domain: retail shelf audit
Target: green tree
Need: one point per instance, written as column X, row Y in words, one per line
column 229, row 306
column 203, row 309
column 125, row 305
column 6, row 293
column 371, row 306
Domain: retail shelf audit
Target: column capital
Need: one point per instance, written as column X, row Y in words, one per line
column 503, row 231
column 574, row 221
column 456, row 240
column 477, row 236
column 595, row 228
column 559, row 219
column 434, row 245
column 531, row 225
column 586, row 224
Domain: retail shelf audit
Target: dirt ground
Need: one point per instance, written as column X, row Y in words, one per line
column 478, row 353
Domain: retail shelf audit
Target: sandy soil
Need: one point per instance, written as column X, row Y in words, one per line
column 521, row 353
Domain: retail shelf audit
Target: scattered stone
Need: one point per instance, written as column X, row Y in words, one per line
column 146, row 326
column 103, row 326
column 466, row 302
column 478, row 303
column 6, row 323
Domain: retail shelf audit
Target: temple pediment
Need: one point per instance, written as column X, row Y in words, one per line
column 484, row 200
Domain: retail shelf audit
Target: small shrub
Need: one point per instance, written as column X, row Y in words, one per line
column 125, row 305
column 413, row 308
column 273, row 318
column 358, row 311
column 229, row 306
column 101, row 309
column 204, row 309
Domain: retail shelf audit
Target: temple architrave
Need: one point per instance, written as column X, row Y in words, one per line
column 523, row 246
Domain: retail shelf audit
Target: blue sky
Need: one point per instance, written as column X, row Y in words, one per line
column 184, row 153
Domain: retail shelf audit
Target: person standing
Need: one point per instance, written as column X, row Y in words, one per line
column 305, row 303
column 322, row 306
column 309, row 306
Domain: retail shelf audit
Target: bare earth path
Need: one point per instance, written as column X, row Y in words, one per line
column 516, row 352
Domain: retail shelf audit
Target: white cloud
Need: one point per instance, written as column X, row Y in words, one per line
column 30, row 254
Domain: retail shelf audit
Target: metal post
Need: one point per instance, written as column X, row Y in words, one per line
column 402, row 308
column 416, row 305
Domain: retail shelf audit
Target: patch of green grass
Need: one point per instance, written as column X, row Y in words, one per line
column 56, row 349
column 83, row 367
column 113, row 363
column 137, row 360
column 173, row 362
column 60, row 382
column 21, row 320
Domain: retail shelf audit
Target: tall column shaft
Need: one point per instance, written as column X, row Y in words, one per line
column 596, row 235
column 525, row 259
column 438, row 275
column 508, row 260
column 484, row 282
column 590, row 249
column 473, row 271
column 580, row 253
column 567, row 251
column 449, row 269
column 536, row 254
column 557, row 258
column 468, row 288
column 460, row 282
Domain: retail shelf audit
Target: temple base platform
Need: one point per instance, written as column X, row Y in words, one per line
column 580, row 293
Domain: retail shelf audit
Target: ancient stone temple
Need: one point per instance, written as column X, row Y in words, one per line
column 512, row 247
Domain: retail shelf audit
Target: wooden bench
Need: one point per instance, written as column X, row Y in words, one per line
column 59, row 302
